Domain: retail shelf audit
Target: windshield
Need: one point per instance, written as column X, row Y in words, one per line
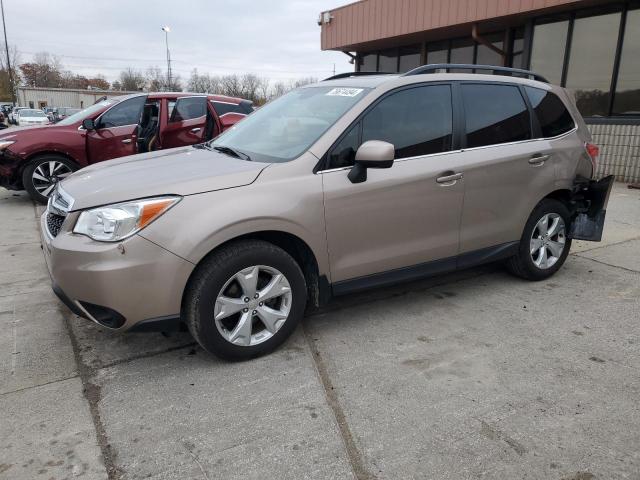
column 285, row 128
column 87, row 112
column 32, row 113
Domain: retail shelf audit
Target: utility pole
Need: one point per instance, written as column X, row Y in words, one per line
column 166, row 31
column 6, row 46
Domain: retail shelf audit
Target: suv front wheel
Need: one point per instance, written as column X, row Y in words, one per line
column 245, row 300
column 545, row 243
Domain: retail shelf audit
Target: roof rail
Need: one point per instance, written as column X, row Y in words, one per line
column 356, row 74
column 434, row 67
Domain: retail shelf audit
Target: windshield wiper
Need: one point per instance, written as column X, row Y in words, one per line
column 232, row 152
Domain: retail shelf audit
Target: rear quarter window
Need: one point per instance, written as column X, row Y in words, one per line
column 221, row 108
column 553, row 116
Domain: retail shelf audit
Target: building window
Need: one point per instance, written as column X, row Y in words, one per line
column 593, row 50
column 517, row 49
column 388, row 61
column 547, row 51
column 437, row 52
column 461, row 51
column 627, row 96
column 486, row 56
column 409, row 58
column 368, row 62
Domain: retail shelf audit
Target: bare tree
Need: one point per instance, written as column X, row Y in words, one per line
column 231, row 85
column 203, row 83
column 155, row 79
column 131, row 80
column 44, row 71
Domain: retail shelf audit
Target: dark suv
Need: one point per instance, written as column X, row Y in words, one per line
column 36, row 158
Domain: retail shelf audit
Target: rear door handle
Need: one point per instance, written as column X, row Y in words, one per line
column 196, row 130
column 447, row 180
column 126, row 140
column 538, row 159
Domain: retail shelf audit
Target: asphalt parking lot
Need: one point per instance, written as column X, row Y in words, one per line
column 471, row 375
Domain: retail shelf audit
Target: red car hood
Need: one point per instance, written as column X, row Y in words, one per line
column 179, row 171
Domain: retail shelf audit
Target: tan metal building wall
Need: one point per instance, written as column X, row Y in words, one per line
column 62, row 97
column 371, row 20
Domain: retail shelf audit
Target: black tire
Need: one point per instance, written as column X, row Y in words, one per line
column 27, row 174
column 210, row 277
column 522, row 265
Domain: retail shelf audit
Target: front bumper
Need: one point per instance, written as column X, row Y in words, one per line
column 10, row 166
column 133, row 284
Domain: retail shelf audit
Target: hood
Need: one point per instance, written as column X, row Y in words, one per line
column 10, row 132
column 178, row 171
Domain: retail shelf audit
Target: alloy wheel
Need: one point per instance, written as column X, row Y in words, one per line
column 46, row 175
column 253, row 305
column 548, row 241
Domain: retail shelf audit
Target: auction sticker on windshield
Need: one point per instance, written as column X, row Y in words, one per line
column 345, row 92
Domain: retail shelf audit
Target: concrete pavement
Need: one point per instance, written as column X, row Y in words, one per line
column 471, row 375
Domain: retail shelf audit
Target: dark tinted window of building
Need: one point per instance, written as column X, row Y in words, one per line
column 494, row 114
column 409, row 58
column 517, row 57
column 593, row 49
column 553, row 117
column 461, row 52
column 344, row 153
column 486, row 56
column 627, row 99
column 417, row 121
column 388, row 61
column 188, row 108
column 437, row 52
column 127, row 112
column 368, row 62
column 547, row 51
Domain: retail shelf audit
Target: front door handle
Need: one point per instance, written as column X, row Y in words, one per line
column 126, row 140
column 196, row 130
column 538, row 159
column 450, row 179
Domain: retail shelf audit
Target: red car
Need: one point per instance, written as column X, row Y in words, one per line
column 35, row 158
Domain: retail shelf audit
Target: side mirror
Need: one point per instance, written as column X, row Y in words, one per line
column 88, row 124
column 371, row 154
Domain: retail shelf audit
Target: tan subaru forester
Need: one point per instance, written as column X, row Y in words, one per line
column 355, row 182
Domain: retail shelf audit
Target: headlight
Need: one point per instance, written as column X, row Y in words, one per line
column 116, row 222
column 5, row 143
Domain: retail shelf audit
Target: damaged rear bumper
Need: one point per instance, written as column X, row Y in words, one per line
column 590, row 198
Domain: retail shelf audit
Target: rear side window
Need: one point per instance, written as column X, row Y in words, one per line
column 188, row 108
column 494, row 114
column 417, row 121
column 553, row 116
column 226, row 107
column 127, row 112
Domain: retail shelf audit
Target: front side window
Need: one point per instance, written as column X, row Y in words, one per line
column 494, row 114
column 188, row 108
column 127, row 112
column 417, row 121
column 285, row 128
column 553, row 116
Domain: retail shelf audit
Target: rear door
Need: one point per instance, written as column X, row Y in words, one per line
column 116, row 129
column 507, row 170
column 186, row 125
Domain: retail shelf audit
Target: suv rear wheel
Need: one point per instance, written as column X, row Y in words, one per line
column 42, row 174
column 245, row 300
column 545, row 243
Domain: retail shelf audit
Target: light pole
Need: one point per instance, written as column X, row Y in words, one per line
column 6, row 46
column 166, row 31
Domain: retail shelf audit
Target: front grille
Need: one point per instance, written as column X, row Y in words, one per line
column 54, row 223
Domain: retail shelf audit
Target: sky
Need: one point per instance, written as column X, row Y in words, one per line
column 277, row 39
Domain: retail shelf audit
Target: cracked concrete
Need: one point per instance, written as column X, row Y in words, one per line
column 473, row 374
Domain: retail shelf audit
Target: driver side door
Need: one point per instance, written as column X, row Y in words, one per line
column 115, row 134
